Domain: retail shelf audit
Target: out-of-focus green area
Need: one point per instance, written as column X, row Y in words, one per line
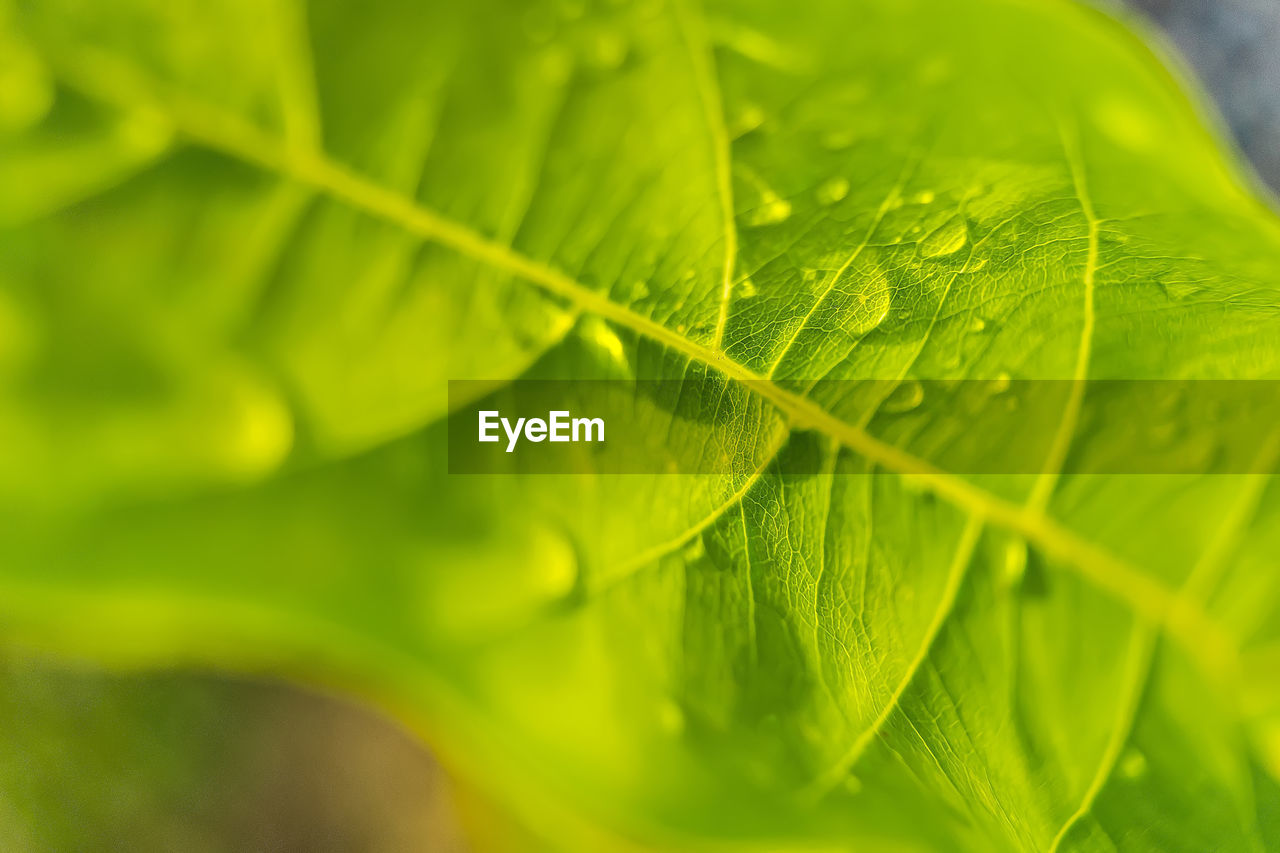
column 195, row 763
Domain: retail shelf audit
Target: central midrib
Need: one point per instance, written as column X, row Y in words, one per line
column 1151, row 600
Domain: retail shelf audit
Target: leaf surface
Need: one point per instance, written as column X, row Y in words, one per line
column 245, row 245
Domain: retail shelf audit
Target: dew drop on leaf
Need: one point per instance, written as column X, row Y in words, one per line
column 670, row 718
column 977, row 324
column 907, row 396
column 1133, row 764
column 926, row 197
column 599, row 334
column 1269, row 747
column 746, row 121
column 639, row 291
column 1126, row 121
column 1014, row 565
column 914, row 485
column 145, row 131
column 259, row 433
column 555, row 67
column 833, row 190
column 947, row 239
column 771, row 211
column 746, row 288
column 556, row 561
column 1000, row 384
column 869, row 307
column 695, row 550
column 608, row 51
column 1179, row 290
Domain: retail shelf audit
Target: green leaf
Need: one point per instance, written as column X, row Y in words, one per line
column 245, row 245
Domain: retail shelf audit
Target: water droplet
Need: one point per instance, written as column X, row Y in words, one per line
column 926, row 197
column 1269, row 746
column 670, row 717
column 852, row 784
column 977, row 324
column 907, row 396
column 772, row 211
column 555, row 65
column 639, row 291
column 695, row 550
column 558, row 325
column 1014, row 566
column 947, row 239
column 146, row 131
column 833, row 190
column 1133, row 764
column 600, row 334
column 746, row 289
column 260, row 432
column 688, row 274
column 916, row 486
column 870, row 305
column 751, row 117
column 1126, row 121
column 556, row 562
column 1179, row 290
column 1000, row 384
column 608, row 51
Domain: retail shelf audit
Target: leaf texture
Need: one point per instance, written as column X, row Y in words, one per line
column 245, row 244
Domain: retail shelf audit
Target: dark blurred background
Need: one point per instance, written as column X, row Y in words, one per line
column 1233, row 46
column 192, row 762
